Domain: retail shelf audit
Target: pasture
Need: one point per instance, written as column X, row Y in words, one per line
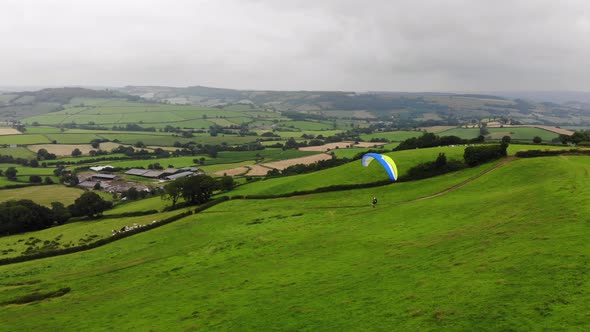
column 17, row 153
column 460, row 261
column 516, row 133
column 62, row 150
column 9, row 131
column 113, row 112
column 43, row 195
column 394, row 136
column 24, row 139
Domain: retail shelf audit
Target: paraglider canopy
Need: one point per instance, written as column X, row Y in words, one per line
column 385, row 161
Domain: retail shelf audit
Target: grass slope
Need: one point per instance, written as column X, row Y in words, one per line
column 492, row 255
column 43, row 195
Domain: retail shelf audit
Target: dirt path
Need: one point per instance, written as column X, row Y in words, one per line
column 459, row 185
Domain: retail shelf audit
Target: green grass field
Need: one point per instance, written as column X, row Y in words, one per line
column 396, row 136
column 17, row 153
column 501, row 253
column 24, row 139
column 523, row 134
column 43, row 195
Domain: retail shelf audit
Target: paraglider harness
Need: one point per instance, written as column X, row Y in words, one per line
column 374, row 201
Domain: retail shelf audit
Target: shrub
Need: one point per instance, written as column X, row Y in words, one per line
column 476, row 155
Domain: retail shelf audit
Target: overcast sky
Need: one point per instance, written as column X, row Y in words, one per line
column 395, row 45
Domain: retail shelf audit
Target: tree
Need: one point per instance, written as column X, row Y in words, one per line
column 226, row 183
column 76, row 153
column 506, row 139
column 577, row 137
column 291, row 144
column 11, row 173
column 48, row 180
column 132, row 194
column 60, row 213
column 23, row 216
column 97, row 185
column 441, row 160
column 172, row 191
column 483, row 130
column 59, row 170
column 537, row 139
column 197, row 189
column 35, row 179
column 90, row 204
column 34, row 163
column 69, row 180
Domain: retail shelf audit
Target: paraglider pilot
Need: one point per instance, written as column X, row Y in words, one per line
column 374, row 201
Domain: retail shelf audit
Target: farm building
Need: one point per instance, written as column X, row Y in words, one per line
column 189, row 169
column 154, row 174
column 102, row 168
column 137, row 171
column 108, row 177
column 178, row 175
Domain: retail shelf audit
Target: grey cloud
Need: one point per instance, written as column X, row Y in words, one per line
column 302, row 44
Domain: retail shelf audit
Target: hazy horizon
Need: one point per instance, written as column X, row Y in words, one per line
column 329, row 45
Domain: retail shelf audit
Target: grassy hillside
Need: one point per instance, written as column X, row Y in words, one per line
column 43, row 195
column 522, row 134
column 492, row 255
column 438, row 108
column 355, row 173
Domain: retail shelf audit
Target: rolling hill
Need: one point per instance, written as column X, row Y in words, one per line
column 404, row 108
column 501, row 252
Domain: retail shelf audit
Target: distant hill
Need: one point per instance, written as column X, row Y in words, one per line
column 18, row 105
column 428, row 108
column 405, row 109
column 559, row 97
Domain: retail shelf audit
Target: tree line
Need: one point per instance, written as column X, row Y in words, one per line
column 19, row 216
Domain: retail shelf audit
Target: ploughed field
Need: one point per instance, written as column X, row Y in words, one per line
column 506, row 251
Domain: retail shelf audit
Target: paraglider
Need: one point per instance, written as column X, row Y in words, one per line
column 385, row 161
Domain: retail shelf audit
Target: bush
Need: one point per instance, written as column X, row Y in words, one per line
column 547, row 153
column 35, row 179
column 476, row 155
column 429, row 169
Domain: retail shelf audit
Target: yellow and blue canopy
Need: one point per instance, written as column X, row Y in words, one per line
column 385, row 161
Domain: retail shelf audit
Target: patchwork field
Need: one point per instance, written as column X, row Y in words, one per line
column 330, row 261
column 66, row 149
column 9, row 131
column 498, row 247
column 262, row 169
column 516, row 133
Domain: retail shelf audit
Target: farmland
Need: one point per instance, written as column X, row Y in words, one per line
column 499, row 246
column 423, row 265
column 516, row 133
column 43, row 195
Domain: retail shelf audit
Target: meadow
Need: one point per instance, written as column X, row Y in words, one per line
column 17, row 153
column 355, row 173
column 395, row 136
column 460, row 261
column 118, row 112
column 43, row 195
column 520, row 133
column 502, row 246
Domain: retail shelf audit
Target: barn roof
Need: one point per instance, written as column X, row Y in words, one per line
column 179, row 175
column 136, row 171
